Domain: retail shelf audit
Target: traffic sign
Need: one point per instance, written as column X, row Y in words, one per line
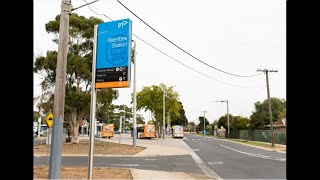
column 113, row 54
column 49, row 120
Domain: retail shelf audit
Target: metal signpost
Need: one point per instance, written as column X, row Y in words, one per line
column 110, row 67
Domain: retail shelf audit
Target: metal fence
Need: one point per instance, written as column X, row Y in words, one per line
column 259, row 135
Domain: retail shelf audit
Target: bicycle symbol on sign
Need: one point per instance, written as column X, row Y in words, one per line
column 264, row 135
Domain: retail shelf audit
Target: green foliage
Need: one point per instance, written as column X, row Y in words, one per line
column 151, row 98
column 35, row 115
column 79, row 100
column 80, row 50
column 105, row 108
column 79, row 68
column 260, row 116
column 283, row 113
column 200, row 125
column 223, row 121
column 47, row 105
column 239, row 123
column 191, row 126
column 47, row 65
column 215, row 123
column 140, row 120
column 210, row 129
column 182, row 120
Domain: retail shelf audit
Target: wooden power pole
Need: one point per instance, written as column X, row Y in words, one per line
column 266, row 71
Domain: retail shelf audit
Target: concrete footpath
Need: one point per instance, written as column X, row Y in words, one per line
column 158, row 147
column 154, row 147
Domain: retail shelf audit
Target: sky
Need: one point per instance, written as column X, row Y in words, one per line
column 238, row 37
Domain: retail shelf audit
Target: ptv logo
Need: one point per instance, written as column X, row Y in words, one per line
column 122, row 24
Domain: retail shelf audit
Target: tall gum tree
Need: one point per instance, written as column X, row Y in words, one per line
column 79, row 69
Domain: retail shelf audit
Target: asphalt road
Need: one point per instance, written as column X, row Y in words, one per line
column 236, row 161
column 180, row 163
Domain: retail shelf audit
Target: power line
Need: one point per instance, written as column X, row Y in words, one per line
column 183, row 49
column 157, row 49
column 187, row 65
column 97, row 13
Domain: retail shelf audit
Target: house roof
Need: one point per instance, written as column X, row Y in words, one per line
column 277, row 124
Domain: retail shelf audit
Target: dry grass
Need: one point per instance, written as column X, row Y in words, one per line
column 74, row 172
column 99, row 148
column 264, row 145
column 198, row 176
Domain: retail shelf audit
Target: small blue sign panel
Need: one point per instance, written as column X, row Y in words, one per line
column 113, row 54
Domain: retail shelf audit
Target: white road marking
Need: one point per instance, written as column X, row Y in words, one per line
column 151, row 159
column 215, row 162
column 124, row 164
column 207, row 170
column 256, row 155
column 195, row 149
column 132, row 165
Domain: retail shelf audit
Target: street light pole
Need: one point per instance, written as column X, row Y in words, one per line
column 204, row 122
column 227, row 115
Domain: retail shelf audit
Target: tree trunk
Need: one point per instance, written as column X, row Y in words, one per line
column 159, row 129
column 74, row 118
column 75, row 131
column 74, row 126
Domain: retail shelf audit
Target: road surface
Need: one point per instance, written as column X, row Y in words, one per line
column 236, row 161
column 180, row 163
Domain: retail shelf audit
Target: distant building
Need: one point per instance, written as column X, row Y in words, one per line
column 278, row 126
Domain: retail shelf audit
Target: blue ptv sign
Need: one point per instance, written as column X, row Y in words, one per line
column 113, row 54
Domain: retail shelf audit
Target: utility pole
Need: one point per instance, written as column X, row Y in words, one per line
column 59, row 97
column 204, row 122
column 228, row 118
column 164, row 110
column 266, row 71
